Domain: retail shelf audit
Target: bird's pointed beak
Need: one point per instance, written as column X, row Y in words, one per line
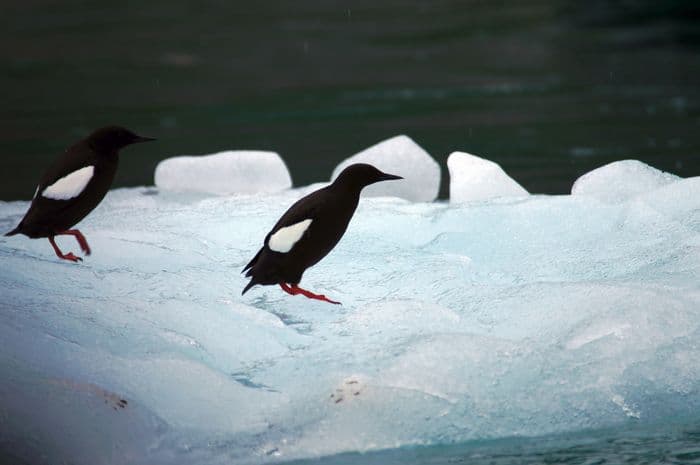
column 389, row 177
column 140, row 139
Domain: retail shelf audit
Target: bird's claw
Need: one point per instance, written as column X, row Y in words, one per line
column 71, row 257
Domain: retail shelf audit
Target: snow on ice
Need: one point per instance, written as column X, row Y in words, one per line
column 621, row 180
column 399, row 155
column 473, row 178
column 231, row 172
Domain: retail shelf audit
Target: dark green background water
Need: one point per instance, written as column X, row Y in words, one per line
column 550, row 89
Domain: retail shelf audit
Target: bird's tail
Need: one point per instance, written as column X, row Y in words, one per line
column 251, row 263
column 252, row 283
column 14, row 231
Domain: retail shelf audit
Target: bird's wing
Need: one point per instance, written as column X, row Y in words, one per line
column 61, row 184
column 71, row 160
column 306, row 208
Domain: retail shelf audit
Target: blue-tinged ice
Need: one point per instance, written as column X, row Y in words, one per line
column 521, row 316
column 399, row 155
column 224, row 173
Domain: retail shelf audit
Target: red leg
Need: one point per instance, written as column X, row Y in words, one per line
column 79, row 237
column 285, row 287
column 60, row 254
column 294, row 290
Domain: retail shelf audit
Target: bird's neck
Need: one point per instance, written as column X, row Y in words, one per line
column 107, row 152
column 348, row 186
column 348, row 190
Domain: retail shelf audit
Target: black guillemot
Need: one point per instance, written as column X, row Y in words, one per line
column 73, row 186
column 309, row 230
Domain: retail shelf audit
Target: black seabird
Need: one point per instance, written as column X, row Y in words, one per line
column 309, row 230
column 73, row 186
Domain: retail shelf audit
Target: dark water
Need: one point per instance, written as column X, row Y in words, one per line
column 550, row 89
column 667, row 444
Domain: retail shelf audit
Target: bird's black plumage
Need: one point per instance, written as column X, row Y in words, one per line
column 330, row 210
column 48, row 215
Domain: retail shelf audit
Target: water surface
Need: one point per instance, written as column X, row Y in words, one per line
column 550, row 88
column 661, row 444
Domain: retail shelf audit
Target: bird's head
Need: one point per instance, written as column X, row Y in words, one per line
column 360, row 175
column 113, row 138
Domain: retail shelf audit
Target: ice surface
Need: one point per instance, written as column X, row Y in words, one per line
column 231, row 172
column 474, row 178
column 402, row 156
column 525, row 316
column 621, row 180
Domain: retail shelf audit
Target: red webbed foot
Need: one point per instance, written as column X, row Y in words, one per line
column 294, row 290
column 69, row 256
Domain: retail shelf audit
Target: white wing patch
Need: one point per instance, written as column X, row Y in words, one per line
column 71, row 185
column 285, row 238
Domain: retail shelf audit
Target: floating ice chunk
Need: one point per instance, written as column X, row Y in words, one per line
column 621, row 180
column 402, row 156
column 474, row 178
column 231, row 172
